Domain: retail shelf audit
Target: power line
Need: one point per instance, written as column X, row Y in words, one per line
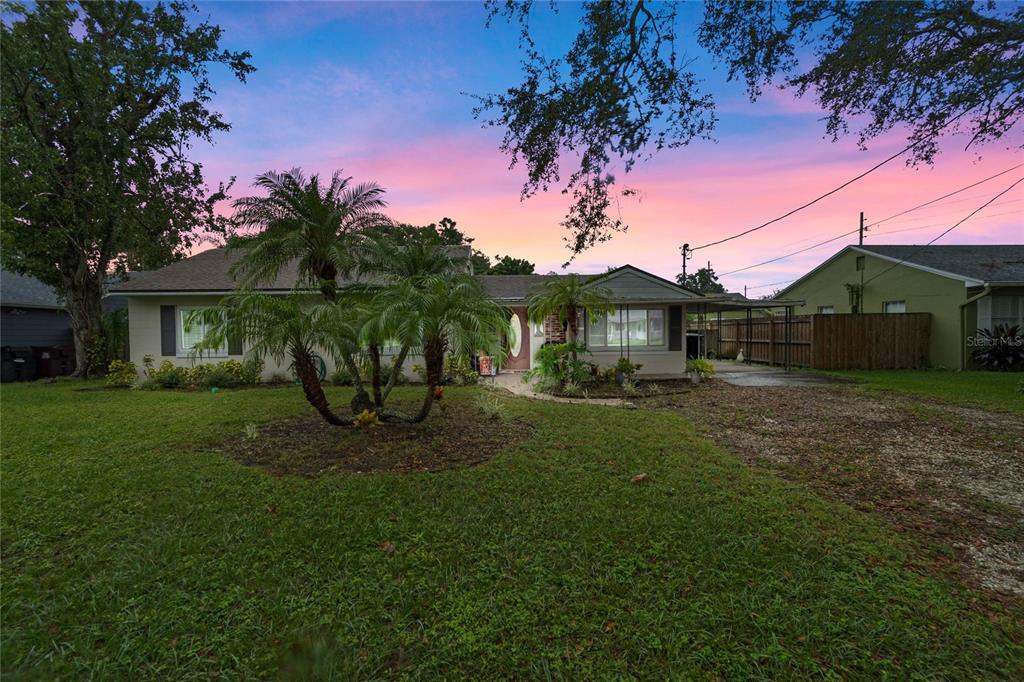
column 813, row 201
column 844, row 234
column 925, row 227
column 773, row 284
column 946, row 196
column 808, row 248
column 947, row 230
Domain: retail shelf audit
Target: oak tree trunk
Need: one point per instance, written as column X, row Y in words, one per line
column 83, row 298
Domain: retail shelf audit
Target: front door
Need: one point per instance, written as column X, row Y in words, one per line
column 518, row 341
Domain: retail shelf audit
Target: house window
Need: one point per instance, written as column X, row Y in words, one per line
column 637, row 328
column 191, row 332
column 1007, row 311
column 826, row 309
column 860, row 263
column 894, row 307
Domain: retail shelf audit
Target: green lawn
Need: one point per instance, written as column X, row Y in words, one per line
column 131, row 550
column 997, row 390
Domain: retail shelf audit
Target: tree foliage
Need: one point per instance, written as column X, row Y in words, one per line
column 704, row 280
column 567, row 298
column 101, row 103
column 622, row 91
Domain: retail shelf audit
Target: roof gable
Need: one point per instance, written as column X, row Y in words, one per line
column 25, row 291
column 630, row 283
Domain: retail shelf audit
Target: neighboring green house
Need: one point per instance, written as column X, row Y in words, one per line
column 965, row 288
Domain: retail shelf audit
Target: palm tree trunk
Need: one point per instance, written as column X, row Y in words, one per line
column 378, row 398
column 328, row 288
column 312, row 388
column 433, row 358
column 570, row 331
column 396, row 371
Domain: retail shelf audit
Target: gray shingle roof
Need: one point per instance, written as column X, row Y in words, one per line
column 986, row 263
column 27, row 292
column 205, row 271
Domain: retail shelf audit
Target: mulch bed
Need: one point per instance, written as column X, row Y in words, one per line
column 645, row 388
column 950, row 476
column 455, row 435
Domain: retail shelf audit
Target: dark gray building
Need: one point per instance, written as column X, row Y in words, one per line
column 33, row 323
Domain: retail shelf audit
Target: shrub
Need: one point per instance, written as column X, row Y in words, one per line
column 385, row 374
column 458, row 370
column 341, row 377
column 1001, row 349
column 121, row 373
column 571, row 389
column 626, row 368
column 366, row 420
column 702, row 367
column 247, row 372
column 278, row 379
column 219, row 376
column 421, row 372
column 556, row 366
column 197, row 375
column 629, row 388
column 167, row 375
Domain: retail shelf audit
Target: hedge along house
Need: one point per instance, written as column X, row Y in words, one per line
column 648, row 326
column 963, row 288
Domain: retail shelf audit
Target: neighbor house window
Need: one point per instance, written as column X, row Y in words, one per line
column 894, row 307
column 826, row 309
column 860, row 263
column 1007, row 311
column 191, row 332
column 637, row 328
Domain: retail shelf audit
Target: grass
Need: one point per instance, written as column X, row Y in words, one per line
column 998, row 390
column 132, row 550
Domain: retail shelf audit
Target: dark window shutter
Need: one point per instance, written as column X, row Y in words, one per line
column 234, row 346
column 675, row 327
column 168, row 333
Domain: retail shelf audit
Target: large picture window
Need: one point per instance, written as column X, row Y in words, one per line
column 637, row 328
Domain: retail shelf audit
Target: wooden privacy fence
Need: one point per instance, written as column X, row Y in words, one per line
column 844, row 341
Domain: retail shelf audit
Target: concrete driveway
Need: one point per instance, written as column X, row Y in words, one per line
column 740, row 374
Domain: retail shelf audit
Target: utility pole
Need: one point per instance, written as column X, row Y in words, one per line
column 860, row 242
column 687, row 254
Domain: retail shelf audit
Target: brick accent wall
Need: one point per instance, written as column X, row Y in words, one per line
column 553, row 331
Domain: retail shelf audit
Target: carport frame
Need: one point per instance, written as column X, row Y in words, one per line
column 722, row 304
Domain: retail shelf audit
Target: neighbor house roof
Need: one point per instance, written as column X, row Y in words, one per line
column 972, row 264
column 25, row 291
column 983, row 263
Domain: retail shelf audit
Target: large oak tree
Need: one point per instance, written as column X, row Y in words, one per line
column 626, row 87
column 101, row 102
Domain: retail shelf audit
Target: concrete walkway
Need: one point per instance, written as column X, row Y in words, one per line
column 741, row 374
column 513, row 383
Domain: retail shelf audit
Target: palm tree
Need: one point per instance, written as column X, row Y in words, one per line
column 282, row 327
column 447, row 312
column 315, row 226
column 566, row 297
column 408, row 258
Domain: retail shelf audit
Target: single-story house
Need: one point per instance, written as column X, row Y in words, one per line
column 649, row 325
column 33, row 322
column 964, row 288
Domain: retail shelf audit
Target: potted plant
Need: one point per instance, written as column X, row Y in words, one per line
column 699, row 369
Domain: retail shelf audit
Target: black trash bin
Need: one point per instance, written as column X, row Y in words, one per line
column 47, row 361
column 65, row 360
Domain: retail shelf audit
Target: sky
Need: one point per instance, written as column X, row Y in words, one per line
column 383, row 91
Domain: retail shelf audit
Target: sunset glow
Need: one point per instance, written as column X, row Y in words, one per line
column 381, row 91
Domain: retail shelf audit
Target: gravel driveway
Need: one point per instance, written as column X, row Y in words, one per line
column 951, row 476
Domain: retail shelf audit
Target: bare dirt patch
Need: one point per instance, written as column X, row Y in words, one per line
column 951, row 476
column 456, row 435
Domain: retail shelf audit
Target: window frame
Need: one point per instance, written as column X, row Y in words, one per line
column 181, row 312
column 1018, row 300
column 831, row 310
column 623, row 343
column 886, row 304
